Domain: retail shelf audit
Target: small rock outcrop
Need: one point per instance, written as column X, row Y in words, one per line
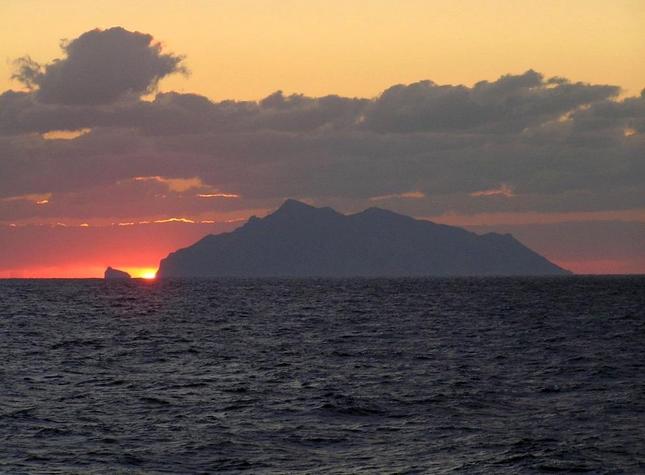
column 115, row 274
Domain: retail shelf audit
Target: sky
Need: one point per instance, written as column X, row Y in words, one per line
column 129, row 129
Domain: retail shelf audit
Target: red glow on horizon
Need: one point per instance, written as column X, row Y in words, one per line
column 91, row 271
column 78, row 271
column 85, row 252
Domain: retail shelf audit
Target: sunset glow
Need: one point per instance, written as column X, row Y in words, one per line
column 143, row 272
column 135, row 129
column 349, row 47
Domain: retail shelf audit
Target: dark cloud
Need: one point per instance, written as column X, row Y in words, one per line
column 175, row 113
column 628, row 115
column 422, row 148
column 99, row 67
column 510, row 104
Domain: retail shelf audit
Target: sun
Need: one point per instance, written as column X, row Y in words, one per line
column 141, row 272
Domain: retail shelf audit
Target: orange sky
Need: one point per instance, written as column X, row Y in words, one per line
column 246, row 49
column 88, row 251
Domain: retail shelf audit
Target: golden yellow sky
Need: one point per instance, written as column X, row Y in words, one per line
column 246, row 49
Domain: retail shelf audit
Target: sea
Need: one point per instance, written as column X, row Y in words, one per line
column 450, row 375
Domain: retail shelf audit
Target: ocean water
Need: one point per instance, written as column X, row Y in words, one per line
column 490, row 375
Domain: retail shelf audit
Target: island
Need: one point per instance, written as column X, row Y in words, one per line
column 115, row 274
column 299, row 240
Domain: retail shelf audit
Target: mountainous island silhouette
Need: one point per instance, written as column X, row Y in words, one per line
column 299, row 240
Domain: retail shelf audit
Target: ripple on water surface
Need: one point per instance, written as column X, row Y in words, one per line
column 494, row 375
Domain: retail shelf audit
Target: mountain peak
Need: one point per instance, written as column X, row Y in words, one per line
column 291, row 205
column 375, row 211
column 297, row 209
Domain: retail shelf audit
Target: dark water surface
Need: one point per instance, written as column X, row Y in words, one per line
column 343, row 376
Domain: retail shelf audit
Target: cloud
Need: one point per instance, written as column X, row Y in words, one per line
column 551, row 144
column 126, row 201
column 409, row 195
column 511, row 103
column 218, row 195
column 99, row 67
column 502, row 190
column 174, row 184
column 628, row 116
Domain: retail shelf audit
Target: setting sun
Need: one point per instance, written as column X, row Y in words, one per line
column 147, row 273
